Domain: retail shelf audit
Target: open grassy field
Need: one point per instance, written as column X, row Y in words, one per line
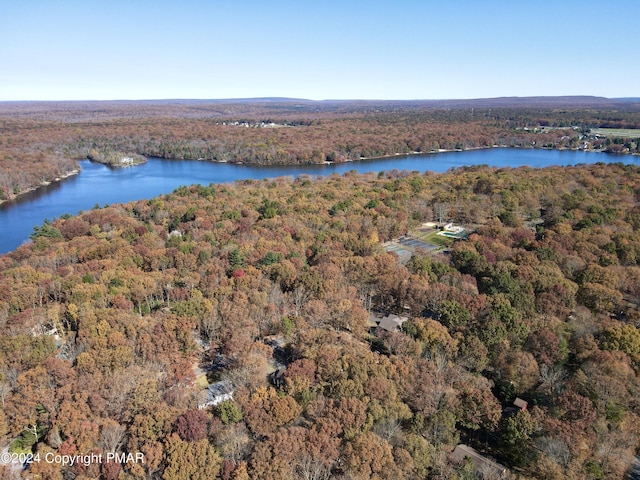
column 433, row 238
column 617, row 132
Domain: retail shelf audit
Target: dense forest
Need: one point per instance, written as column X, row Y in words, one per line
column 115, row 323
column 41, row 141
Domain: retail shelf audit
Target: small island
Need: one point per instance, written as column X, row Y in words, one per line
column 116, row 159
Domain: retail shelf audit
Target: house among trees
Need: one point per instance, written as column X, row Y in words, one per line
column 483, row 467
column 390, row 323
column 520, row 403
column 217, row 393
column 452, row 231
column 46, row 329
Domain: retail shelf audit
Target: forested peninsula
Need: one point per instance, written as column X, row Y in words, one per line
column 40, row 142
column 225, row 331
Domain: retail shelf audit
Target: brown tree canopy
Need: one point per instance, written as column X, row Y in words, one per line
column 241, row 347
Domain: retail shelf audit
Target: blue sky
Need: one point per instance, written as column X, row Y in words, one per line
column 401, row 49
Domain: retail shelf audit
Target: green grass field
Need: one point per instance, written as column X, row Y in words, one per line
column 433, row 238
column 617, row 132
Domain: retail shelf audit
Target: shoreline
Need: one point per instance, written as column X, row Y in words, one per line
column 382, row 157
column 14, row 197
column 444, row 150
column 76, row 171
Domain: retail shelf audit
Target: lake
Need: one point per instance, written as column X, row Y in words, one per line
column 101, row 185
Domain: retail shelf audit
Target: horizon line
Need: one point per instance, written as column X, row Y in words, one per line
column 299, row 99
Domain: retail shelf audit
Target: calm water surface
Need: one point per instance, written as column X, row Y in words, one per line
column 98, row 184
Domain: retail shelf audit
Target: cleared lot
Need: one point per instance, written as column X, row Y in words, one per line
column 414, row 243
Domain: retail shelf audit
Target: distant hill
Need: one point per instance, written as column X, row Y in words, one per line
column 516, row 102
column 628, row 99
column 81, row 111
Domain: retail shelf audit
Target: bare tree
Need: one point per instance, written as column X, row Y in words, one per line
column 210, row 325
column 441, row 212
column 300, row 296
column 5, row 389
column 234, row 442
column 552, row 378
column 388, row 428
column 556, row 449
column 112, row 436
column 309, row 468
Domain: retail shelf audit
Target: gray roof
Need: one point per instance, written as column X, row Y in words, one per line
column 390, row 323
column 220, row 388
column 217, row 393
